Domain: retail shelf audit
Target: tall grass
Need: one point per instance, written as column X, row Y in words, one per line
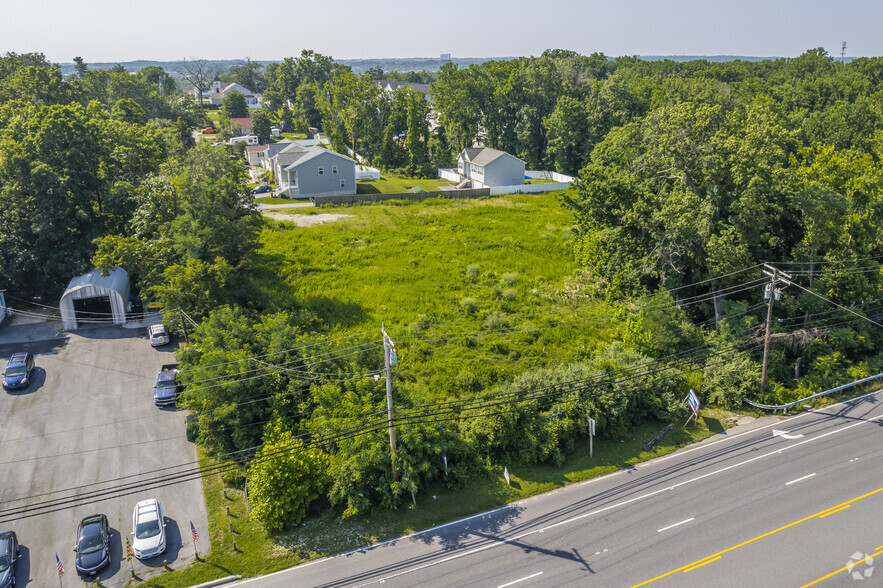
column 481, row 285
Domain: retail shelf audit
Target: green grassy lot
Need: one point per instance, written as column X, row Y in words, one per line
column 272, row 200
column 396, row 185
column 291, row 136
column 259, row 552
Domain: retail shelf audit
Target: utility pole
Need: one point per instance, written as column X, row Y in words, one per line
column 183, row 325
column 389, row 359
column 771, row 293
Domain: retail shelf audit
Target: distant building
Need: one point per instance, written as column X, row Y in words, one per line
column 487, row 168
column 445, row 56
column 393, row 85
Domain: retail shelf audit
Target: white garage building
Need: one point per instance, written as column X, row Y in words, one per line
column 95, row 299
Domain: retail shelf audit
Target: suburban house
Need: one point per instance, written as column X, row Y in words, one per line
column 392, row 85
column 256, row 155
column 240, row 126
column 217, row 93
column 305, row 172
column 486, row 168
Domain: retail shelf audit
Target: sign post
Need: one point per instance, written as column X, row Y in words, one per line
column 694, row 404
column 129, row 554
column 591, row 435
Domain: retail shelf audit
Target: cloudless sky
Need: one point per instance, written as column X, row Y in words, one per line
column 165, row 30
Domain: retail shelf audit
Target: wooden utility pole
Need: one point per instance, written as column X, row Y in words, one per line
column 772, row 293
column 388, row 351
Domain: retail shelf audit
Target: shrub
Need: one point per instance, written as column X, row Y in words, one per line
column 509, row 279
column 469, row 306
column 472, row 271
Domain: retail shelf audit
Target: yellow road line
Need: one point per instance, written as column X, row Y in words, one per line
column 696, row 563
column 702, row 564
column 830, row 512
column 844, row 568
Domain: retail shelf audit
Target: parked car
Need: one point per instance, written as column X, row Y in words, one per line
column 10, row 552
column 149, row 529
column 167, row 389
column 209, row 131
column 262, row 189
column 93, row 545
column 158, row 335
column 18, row 371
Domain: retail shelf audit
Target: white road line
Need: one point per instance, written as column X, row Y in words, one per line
column 581, row 484
column 675, row 525
column 800, row 479
column 521, row 580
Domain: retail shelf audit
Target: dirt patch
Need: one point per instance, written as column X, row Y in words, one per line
column 306, row 220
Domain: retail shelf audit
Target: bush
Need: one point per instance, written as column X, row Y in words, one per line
column 509, row 279
column 469, row 306
column 472, row 272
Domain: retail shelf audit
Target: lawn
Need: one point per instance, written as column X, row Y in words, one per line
column 397, row 185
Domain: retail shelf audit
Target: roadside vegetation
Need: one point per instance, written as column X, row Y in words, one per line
column 513, row 319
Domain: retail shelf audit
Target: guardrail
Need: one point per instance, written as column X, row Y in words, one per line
column 784, row 407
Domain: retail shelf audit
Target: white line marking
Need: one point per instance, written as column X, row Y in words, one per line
column 521, row 580
column 617, row 505
column 643, row 465
column 786, row 435
column 675, row 525
column 800, row 479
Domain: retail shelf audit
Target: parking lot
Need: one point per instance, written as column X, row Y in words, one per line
column 87, row 422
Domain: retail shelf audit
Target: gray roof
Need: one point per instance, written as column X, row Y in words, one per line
column 485, row 155
column 274, row 148
column 394, row 85
column 295, row 155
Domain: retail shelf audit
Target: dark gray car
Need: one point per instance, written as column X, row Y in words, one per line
column 93, row 540
column 9, row 554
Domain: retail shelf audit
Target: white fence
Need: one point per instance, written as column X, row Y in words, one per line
column 548, row 175
column 367, row 173
column 450, row 175
column 530, row 188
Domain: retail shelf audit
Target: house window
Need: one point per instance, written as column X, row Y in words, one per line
column 334, row 169
column 321, row 171
column 343, row 183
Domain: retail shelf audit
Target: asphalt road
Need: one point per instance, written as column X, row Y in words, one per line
column 88, row 417
column 747, row 508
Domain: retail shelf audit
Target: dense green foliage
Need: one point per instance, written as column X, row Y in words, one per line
column 515, row 319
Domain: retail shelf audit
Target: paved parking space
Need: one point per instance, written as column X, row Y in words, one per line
column 88, row 422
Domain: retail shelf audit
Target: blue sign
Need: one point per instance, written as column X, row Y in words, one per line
column 694, row 402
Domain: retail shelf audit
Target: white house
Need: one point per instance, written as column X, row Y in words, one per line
column 486, row 167
column 217, row 92
column 307, row 172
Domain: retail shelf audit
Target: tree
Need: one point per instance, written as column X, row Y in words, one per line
column 196, row 73
column 80, row 66
column 234, row 105
column 418, row 135
column 248, row 75
column 284, row 478
column 261, row 124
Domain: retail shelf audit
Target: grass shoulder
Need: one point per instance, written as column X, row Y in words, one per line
column 258, row 552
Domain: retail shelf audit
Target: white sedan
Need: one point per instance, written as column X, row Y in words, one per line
column 149, row 529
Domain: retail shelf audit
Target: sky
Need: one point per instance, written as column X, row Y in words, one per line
column 170, row 30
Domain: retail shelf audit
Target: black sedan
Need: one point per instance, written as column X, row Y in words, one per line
column 9, row 554
column 93, row 541
column 18, row 371
column 262, row 189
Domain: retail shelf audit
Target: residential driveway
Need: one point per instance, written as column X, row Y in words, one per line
column 88, row 422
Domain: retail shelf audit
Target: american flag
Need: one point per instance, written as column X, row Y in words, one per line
column 59, row 566
column 193, row 532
